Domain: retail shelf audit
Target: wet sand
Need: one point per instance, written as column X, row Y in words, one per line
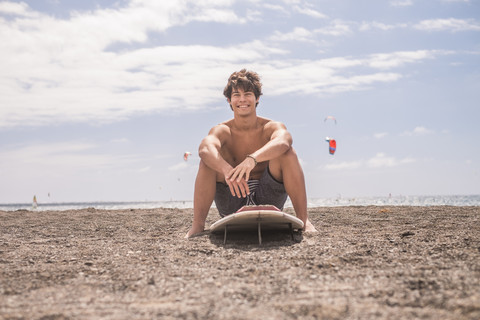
column 364, row 263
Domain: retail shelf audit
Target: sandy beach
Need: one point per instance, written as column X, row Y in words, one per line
column 364, row 263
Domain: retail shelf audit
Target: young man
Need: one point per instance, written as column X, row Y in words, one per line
column 247, row 160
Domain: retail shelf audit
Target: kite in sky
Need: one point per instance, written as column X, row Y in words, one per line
column 332, row 145
column 330, row 118
column 186, row 155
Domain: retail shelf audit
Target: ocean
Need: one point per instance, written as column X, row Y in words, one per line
column 440, row 200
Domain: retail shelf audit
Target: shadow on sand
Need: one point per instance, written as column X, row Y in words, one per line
column 249, row 239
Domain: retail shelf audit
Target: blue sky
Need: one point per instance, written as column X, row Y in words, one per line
column 100, row 99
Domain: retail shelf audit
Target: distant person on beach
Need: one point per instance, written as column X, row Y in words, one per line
column 248, row 160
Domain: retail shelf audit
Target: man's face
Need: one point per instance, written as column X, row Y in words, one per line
column 242, row 101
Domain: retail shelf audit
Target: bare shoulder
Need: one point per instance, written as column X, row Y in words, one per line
column 221, row 131
column 270, row 126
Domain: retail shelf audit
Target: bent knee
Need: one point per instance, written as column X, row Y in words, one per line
column 289, row 155
column 204, row 169
column 288, row 160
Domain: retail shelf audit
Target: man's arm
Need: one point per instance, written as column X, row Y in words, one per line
column 209, row 152
column 280, row 141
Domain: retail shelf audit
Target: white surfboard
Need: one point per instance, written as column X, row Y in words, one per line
column 258, row 218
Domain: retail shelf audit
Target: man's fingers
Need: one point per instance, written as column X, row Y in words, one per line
column 238, row 189
column 247, row 175
column 232, row 187
column 243, row 186
column 240, row 176
column 231, row 184
column 232, row 175
column 237, row 180
column 232, row 191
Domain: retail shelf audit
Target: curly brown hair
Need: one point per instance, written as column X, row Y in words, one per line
column 246, row 80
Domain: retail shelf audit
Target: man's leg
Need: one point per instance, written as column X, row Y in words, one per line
column 287, row 169
column 204, row 193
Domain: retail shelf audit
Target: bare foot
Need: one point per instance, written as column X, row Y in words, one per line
column 194, row 231
column 309, row 227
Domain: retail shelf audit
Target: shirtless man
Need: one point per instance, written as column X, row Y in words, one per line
column 247, row 160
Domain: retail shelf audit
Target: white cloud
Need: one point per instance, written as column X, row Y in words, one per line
column 382, row 160
column 396, row 59
column 178, row 167
column 327, row 75
column 298, row 34
column 422, row 130
column 276, row 7
column 217, row 15
column 336, row 28
column 100, row 87
column 56, row 70
column 58, row 157
column 418, row 131
column 309, row 12
column 292, row 1
column 369, row 25
column 380, row 135
column 401, row 3
column 144, row 169
column 72, row 154
column 452, row 24
column 16, row 9
column 254, row 15
column 318, row 77
column 121, row 140
column 345, row 165
column 378, row 161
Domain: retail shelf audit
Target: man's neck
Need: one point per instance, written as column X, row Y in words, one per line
column 245, row 122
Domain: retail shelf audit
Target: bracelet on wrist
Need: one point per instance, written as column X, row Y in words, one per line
column 252, row 157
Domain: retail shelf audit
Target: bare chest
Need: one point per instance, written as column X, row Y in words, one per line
column 240, row 144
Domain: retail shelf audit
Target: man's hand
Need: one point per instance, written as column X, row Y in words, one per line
column 237, row 178
column 238, row 189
